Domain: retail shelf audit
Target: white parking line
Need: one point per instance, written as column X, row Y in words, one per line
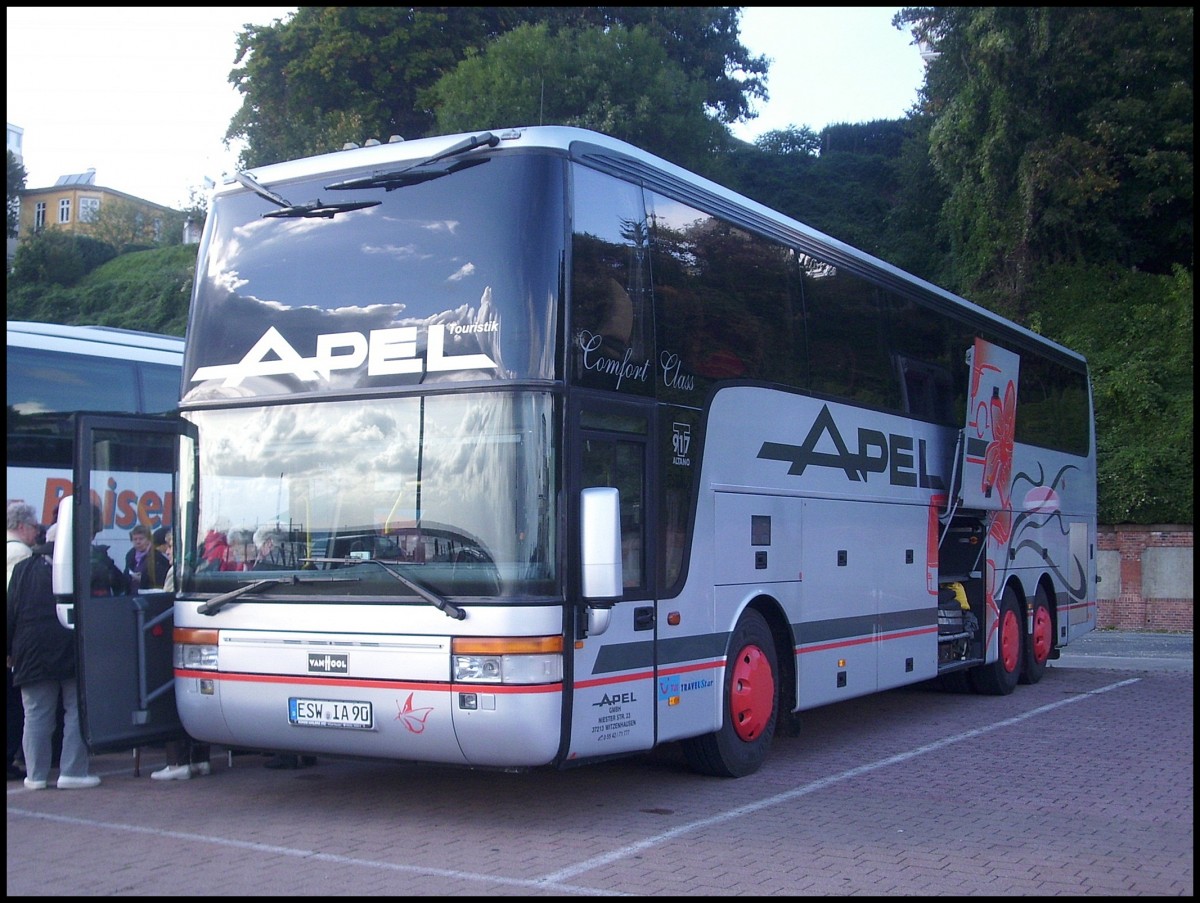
column 750, row 808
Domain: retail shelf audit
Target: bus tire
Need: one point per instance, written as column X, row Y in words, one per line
column 1040, row 641
column 1000, row 677
column 749, row 702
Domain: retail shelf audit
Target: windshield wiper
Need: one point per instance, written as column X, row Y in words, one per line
column 288, row 209
column 216, row 603
column 317, row 209
column 430, row 168
column 439, row 602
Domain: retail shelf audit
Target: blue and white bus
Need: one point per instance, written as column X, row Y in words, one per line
column 53, row 370
column 565, row 452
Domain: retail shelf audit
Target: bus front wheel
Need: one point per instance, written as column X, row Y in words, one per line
column 750, row 705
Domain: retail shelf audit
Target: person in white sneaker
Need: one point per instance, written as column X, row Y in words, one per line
column 42, row 653
column 184, row 757
column 182, row 764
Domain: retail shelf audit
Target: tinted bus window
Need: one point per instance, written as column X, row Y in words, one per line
column 723, row 302
column 160, row 388
column 612, row 337
column 40, row 382
column 1052, row 406
column 847, row 343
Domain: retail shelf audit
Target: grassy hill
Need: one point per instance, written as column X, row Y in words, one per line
column 147, row 290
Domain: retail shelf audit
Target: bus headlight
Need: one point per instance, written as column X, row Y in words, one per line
column 507, row 660
column 195, row 649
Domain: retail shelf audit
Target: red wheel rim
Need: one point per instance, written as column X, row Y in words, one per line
column 1010, row 640
column 751, row 693
column 1041, row 634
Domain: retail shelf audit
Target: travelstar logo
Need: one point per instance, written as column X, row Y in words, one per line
column 387, row 352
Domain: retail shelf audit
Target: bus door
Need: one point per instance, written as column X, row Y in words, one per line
column 613, row 674
column 124, row 648
column 987, row 449
column 986, row 469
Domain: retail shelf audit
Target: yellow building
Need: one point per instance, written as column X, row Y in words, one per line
column 74, row 202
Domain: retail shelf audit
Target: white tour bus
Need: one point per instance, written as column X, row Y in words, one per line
column 529, row 448
column 54, row 370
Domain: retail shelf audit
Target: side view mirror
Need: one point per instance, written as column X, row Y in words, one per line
column 600, row 537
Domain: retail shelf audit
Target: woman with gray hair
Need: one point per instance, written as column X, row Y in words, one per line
column 23, row 530
column 268, row 541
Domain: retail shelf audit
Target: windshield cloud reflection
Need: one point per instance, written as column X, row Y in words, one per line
column 476, row 465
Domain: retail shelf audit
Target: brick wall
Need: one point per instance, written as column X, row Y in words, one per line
column 1145, row 577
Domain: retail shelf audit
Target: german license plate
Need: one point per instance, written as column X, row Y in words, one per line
column 331, row 713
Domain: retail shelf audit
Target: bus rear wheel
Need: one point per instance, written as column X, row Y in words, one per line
column 1040, row 640
column 1001, row 676
column 750, row 705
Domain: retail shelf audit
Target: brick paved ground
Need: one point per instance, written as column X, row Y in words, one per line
column 1080, row 785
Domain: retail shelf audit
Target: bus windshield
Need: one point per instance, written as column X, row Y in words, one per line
column 455, row 492
column 447, row 281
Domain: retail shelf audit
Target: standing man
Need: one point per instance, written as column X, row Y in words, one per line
column 22, row 534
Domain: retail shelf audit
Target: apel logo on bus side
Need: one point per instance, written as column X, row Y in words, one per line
column 387, row 352
column 877, row 452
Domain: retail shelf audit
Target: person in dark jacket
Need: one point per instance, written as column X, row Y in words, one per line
column 145, row 566
column 42, row 654
column 107, row 579
column 22, row 536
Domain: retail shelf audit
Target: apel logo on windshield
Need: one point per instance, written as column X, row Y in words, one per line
column 387, row 352
column 328, row 664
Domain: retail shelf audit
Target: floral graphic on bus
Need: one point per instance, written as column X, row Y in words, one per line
column 412, row 719
column 997, row 465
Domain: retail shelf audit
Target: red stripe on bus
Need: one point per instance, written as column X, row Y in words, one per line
column 316, row 681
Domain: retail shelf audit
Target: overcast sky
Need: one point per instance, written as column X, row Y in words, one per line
column 142, row 93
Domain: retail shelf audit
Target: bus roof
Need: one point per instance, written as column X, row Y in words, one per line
column 99, row 341
column 617, row 156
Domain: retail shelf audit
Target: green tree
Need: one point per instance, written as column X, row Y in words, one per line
column 329, row 75
column 1062, row 135
column 1136, row 329
column 124, row 226
column 1063, row 140
column 617, row 81
column 16, row 184
column 704, row 41
column 851, row 182
column 790, row 141
column 56, row 257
